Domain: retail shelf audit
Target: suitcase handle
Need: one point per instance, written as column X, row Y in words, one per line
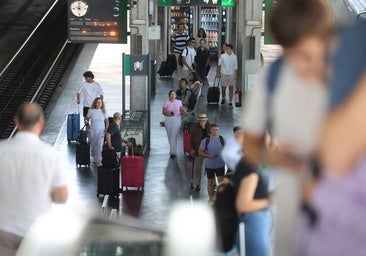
column 218, row 81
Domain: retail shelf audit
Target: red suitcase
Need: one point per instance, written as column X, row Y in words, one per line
column 132, row 172
column 186, row 143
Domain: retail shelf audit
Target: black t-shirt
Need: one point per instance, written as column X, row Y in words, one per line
column 204, row 132
column 116, row 139
column 202, row 56
column 243, row 169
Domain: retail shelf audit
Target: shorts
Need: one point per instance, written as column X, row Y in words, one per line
column 211, row 172
column 228, row 80
column 85, row 111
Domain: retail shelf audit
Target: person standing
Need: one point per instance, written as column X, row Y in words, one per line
column 199, row 131
column 201, row 35
column 99, row 123
column 210, row 149
column 89, row 91
column 233, row 149
column 31, row 178
column 227, row 69
column 179, row 43
column 172, row 110
column 202, row 60
column 188, row 58
column 113, row 136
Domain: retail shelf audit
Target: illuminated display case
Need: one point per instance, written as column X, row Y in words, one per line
column 181, row 14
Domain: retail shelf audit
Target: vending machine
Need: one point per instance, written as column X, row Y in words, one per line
column 181, row 14
column 214, row 21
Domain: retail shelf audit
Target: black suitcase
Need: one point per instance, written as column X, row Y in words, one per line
column 108, row 181
column 82, row 155
column 166, row 69
column 213, row 93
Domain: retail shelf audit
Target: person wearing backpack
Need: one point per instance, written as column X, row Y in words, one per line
column 210, row 149
column 178, row 44
column 188, row 56
column 290, row 103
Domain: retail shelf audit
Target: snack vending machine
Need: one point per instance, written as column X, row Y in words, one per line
column 181, row 14
column 214, row 21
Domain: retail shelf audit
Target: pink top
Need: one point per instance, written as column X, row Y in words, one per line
column 173, row 106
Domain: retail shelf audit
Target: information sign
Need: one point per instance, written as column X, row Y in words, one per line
column 97, row 21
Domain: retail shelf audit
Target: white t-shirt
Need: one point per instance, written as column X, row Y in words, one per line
column 190, row 55
column 297, row 109
column 97, row 118
column 29, row 171
column 232, row 153
column 89, row 92
column 228, row 64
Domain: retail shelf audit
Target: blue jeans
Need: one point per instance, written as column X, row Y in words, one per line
column 257, row 233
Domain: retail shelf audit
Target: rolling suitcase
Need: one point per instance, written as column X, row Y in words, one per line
column 108, row 181
column 132, row 171
column 82, row 155
column 166, row 69
column 73, row 126
column 213, row 93
column 186, row 143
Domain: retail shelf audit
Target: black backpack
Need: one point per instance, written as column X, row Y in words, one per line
column 192, row 99
column 208, row 141
column 226, row 216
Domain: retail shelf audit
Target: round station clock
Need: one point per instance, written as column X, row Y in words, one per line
column 79, row 8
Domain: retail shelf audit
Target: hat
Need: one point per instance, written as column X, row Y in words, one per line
column 202, row 117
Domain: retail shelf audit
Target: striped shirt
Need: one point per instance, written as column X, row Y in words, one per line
column 180, row 41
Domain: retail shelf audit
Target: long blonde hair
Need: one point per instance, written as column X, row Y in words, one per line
column 94, row 104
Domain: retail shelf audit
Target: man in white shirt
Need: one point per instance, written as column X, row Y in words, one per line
column 227, row 69
column 233, row 149
column 188, row 57
column 31, row 178
column 89, row 90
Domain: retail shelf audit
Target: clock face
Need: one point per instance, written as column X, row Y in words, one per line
column 79, row 8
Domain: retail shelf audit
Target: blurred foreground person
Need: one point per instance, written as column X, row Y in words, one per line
column 290, row 103
column 31, row 178
column 340, row 197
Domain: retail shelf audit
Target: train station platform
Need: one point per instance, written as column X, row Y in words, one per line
column 166, row 180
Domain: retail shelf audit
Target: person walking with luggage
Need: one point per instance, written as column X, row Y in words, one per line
column 227, row 67
column 89, row 91
column 202, row 60
column 113, row 136
column 31, row 178
column 210, row 148
column 172, row 110
column 188, row 58
column 98, row 118
column 199, row 131
column 179, row 42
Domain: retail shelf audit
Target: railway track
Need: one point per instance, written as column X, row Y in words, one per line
column 36, row 69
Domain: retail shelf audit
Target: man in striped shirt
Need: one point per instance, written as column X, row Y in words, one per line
column 179, row 43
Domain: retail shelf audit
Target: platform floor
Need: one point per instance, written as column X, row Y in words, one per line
column 166, row 180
